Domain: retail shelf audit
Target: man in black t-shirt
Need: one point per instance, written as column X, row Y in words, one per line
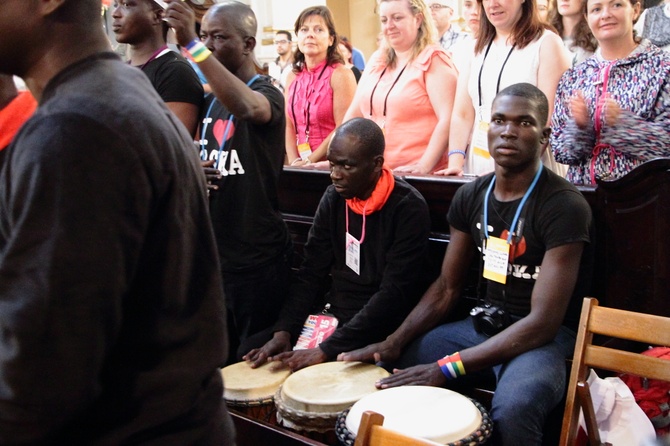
column 140, row 24
column 533, row 228
column 242, row 141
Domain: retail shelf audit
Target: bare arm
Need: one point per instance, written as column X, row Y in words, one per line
column 291, row 143
column 549, row 302
column 554, row 61
column 187, row 113
column 441, row 80
column 462, row 122
column 233, row 93
column 435, row 304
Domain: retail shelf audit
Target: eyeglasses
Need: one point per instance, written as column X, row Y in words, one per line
column 281, row 42
column 437, row 6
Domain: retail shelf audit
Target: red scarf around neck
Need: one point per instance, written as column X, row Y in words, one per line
column 378, row 198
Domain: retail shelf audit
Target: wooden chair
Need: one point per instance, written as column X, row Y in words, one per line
column 372, row 433
column 620, row 324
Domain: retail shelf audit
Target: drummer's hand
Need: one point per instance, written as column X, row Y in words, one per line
column 181, row 18
column 280, row 342
column 211, row 173
column 420, row 375
column 381, row 351
column 299, row 359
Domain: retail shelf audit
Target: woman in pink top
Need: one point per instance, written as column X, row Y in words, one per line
column 320, row 88
column 408, row 88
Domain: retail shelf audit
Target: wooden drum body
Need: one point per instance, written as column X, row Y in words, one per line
column 433, row 413
column 312, row 398
column 251, row 391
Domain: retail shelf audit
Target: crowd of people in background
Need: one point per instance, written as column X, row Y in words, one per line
column 175, row 152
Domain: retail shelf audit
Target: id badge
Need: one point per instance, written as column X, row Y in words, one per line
column 317, row 328
column 304, row 150
column 480, row 143
column 353, row 253
column 496, row 260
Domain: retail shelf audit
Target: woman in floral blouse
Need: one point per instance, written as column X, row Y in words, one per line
column 612, row 111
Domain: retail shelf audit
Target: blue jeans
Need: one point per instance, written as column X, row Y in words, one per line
column 527, row 388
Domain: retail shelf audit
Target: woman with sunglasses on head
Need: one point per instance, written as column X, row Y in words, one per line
column 408, row 88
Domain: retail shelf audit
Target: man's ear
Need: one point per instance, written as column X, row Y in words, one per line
column 48, row 7
column 158, row 16
column 379, row 162
column 546, row 133
column 249, row 44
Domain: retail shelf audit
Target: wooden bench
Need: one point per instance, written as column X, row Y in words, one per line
column 632, row 218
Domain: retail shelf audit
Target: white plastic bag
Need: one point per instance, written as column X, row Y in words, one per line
column 620, row 420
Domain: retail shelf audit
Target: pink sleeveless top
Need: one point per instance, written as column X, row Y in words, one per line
column 310, row 104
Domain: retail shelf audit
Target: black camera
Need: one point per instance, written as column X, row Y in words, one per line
column 489, row 319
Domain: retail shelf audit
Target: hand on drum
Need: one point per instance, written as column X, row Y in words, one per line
column 280, row 342
column 382, row 351
column 299, row 359
column 420, row 375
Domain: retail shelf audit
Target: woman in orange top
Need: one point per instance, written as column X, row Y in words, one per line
column 408, row 88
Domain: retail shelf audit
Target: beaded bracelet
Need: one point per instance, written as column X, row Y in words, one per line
column 451, row 152
column 452, row 366
column 198, row 51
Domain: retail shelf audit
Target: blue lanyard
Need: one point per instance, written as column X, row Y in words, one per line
column 518, row 209
column 229, row 122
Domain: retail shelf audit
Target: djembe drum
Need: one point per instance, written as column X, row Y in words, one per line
column 312, row 398
column 433, row 413
column 251, row 391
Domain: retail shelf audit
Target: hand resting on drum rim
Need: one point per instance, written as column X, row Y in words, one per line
column 280, row 342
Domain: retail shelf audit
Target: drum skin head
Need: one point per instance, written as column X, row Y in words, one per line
column 242, row 383
column 433, row 413
column 331, row 386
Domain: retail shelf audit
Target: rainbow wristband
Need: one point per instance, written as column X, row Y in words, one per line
column 452, row 366
column 192, row 43
column 452, row 152
column 198, row 51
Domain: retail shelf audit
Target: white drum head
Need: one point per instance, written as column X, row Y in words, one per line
column 331, row 386
column 433, row 413
column 242, row 383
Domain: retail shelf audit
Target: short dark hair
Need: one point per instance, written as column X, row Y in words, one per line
column 286, row 33
column 532, row 93
column 370, row 137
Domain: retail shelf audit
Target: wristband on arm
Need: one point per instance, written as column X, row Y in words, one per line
column 452, row 366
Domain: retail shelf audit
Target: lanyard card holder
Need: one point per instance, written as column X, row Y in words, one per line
column 316, row 329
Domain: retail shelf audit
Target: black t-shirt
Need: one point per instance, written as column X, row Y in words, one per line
column 174, row 79
column 555, row 214
column 249, row 229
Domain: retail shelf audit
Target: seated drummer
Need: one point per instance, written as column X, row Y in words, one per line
column 374, row 260
column 537, row 276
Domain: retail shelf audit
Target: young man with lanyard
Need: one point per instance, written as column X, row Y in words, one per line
column 534, row 228
column 370, row 233
column 140, row 24
column 111, row 302
column 242, row 146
